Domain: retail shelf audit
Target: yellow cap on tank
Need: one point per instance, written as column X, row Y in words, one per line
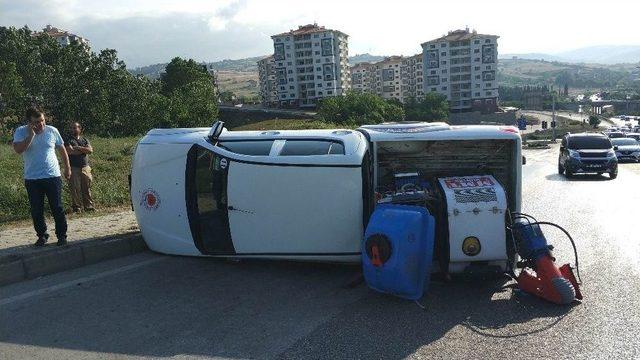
column 471, row 246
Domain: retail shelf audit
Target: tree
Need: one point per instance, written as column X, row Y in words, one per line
column 180, row 72
column 193, row 105
column 432, row 107
column 594, row 121
column 12, row 93
column 191, row 93
column 356, row 109
column 71, row 83
column 227, row 96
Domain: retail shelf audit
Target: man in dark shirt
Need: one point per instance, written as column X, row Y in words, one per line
column 79, row 149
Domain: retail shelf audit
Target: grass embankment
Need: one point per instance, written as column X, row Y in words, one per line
column 541, row 137
column 110, row 163
column 288, row 124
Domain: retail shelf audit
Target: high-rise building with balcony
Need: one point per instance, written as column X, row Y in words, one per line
column 387, row 77
column 411, row 78
column 311, row 63
column 267, row 81
column 363, row 77
column 462, row 66
column 395, row 77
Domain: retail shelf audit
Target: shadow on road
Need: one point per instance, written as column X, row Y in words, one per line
column 579, row 177
column 259, row 309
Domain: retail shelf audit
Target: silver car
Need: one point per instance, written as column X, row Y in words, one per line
column 627, row 149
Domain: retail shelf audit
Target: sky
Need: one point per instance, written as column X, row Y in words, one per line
column 153, row 31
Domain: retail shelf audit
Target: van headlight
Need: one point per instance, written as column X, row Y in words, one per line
column 471, row 246
column 611, row 153
column 574, row 154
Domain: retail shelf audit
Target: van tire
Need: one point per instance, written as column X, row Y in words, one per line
column 613, row 175
column 560, row 169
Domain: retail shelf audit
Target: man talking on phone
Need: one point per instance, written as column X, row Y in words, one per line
column 36, row 142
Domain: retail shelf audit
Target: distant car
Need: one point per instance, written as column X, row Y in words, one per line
column 626, row 149
column 615, row 134
column 634, row 135
column 587, row 153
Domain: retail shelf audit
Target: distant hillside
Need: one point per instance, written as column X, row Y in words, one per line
column 530, row 56
column 360, row 58
column 240, row 76
column 590, row 55
column 240, row 65
column 539, row 72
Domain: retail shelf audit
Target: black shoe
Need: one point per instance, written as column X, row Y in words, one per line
column 42, row 240
column 62, row 242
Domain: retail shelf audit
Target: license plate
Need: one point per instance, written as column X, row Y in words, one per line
column 594, row 166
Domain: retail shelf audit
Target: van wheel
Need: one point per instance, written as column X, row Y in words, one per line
column 568, row 173
column 613, row 174
column 560, row 169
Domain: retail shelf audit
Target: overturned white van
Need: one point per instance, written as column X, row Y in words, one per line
column 308, row 194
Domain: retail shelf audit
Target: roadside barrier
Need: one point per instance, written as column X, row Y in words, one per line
column 53, row 259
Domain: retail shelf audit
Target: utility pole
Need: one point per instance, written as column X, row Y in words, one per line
column 553, row 118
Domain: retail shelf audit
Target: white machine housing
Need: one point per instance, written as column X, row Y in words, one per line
column 476, row 207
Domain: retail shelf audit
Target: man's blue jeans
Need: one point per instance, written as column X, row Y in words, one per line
column 52, row 189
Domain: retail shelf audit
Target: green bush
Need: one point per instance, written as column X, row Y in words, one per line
column 432, row 107
column 354, row 109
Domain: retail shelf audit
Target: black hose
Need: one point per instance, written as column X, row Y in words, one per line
column 575, row 250
column 523, row 215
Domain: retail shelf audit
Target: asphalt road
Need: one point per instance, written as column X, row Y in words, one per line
column 150, row 305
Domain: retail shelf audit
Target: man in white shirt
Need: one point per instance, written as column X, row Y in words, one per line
column 37, row 142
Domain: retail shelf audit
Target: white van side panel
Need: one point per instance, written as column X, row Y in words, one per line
column 159, row 169
column 294, row 209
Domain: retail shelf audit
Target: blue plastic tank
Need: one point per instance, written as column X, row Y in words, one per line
column 397, row 250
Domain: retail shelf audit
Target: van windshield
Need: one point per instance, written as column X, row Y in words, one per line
column 589, row 142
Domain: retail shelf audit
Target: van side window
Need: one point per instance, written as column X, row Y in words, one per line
column 312, row 147
column 255, row 148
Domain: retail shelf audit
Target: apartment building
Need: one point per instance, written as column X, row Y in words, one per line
column 311, row 63
column 462, row 66
column 395, row 77
column 267, row 81
column 387, row 77
column 63, row 37
column 411, row 78
column 363, row 77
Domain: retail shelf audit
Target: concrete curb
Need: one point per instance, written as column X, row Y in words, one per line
column 15, row 268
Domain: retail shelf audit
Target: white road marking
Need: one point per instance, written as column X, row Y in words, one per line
column 75, row 282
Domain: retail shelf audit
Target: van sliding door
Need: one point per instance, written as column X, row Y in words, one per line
column 295, row 210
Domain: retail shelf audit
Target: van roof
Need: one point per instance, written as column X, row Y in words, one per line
column 437, row 131
column 350, row 138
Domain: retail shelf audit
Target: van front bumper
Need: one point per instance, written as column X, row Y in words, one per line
column 592, row 165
